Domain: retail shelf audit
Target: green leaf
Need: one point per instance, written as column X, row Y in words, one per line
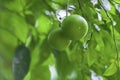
column 111, row 70
column 108, row 40
column 13, row 23
column 15, row 5
column 116, row 19
column 91, row 57
column 117, row 1
column 100, row 46
column 76, row 53
column 7, row 44
column 63, row 65
column 92, row 13
column 40, row 72
column 37, row 6
column 30, row 19
column 60, row 1
column 104, row 16
column 5, row 68
column 44, row 24
column 45, row 51
column 41, row 53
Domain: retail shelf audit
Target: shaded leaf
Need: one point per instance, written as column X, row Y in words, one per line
column 30, row 19
column 21, row 62
column 76, row 53
column 63, row 65
column 14, row 23
column 13, row 5
column 44, row 51
column 112, row 69
column 40, row 72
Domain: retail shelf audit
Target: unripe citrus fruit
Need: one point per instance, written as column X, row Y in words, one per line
column 57, row 41
column 74, row 27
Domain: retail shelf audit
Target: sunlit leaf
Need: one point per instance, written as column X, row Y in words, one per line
column 14, row 23
column 6, row 54
column 44, row 24
column 112, row 69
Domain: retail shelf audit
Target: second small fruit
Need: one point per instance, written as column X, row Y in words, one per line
column 57, row 41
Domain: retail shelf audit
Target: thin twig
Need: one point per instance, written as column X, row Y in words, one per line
column 67, row 8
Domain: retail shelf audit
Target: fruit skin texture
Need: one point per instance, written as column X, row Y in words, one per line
column 57, row 41
column 74, row 27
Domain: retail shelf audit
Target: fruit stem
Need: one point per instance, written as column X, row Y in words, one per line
column 67, row 8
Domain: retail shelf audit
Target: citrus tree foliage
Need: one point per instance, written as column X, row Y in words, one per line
column 26, row 54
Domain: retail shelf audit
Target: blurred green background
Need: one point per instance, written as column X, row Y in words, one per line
column 96, row 57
